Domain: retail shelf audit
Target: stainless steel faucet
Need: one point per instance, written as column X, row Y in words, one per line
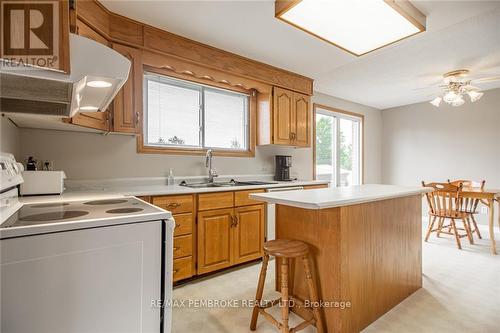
column 209, row 163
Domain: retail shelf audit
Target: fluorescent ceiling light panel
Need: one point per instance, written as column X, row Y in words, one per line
column 357, row 26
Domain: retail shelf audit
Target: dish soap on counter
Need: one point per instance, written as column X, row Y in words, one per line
column 171, row 180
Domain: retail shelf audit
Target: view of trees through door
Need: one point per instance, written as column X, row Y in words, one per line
column 338, row 147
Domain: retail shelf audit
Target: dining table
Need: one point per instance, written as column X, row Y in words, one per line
column 488, row 197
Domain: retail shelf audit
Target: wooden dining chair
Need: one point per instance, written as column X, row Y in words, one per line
column 444, row 204
column 469, row 204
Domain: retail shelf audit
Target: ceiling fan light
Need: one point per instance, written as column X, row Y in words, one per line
column 436, row 101
column 475, row 95
column 458, row 101
column 450, row 96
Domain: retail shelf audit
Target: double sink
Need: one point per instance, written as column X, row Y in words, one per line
column 231, row 183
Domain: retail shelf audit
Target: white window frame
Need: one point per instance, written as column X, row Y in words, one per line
column 339, row 114
column 201, row 88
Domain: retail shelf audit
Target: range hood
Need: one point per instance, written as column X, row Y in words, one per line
column 97, row 73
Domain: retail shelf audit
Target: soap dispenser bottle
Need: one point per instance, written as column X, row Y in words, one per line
column 171, row 180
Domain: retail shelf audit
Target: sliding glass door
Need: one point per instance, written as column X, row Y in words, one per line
column 338, row 146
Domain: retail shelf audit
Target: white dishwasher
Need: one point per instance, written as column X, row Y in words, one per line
column 271, row 211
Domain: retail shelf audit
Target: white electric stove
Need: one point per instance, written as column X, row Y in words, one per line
column 82, row 266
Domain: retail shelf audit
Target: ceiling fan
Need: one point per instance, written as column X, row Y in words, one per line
column 457, row 85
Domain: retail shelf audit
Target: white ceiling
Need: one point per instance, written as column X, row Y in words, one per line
column 460, row 34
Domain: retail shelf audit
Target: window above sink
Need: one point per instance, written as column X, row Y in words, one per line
column 188, row 117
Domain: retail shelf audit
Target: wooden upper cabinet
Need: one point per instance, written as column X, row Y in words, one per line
column 248, row 233
column 127, row 105
column 283, row 109
column 301, row 123
column 291, row 119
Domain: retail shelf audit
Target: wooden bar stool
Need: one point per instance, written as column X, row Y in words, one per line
column 286, row 250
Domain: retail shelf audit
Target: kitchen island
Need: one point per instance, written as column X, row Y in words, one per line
column 366, row 248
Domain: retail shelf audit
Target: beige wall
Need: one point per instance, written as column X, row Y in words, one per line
column 95, row 156
column 9, row 137
column 422, row 142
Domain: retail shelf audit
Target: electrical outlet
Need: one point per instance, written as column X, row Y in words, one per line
column 484, row 210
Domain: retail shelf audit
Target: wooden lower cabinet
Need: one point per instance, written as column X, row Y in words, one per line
column 183, row 268
column 215, row 239
column 208, row 239
column 248, row 233
column 228, row 237
column 183, row 246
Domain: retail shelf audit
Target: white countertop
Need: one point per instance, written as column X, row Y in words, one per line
column 108, row 192
column 340, row 196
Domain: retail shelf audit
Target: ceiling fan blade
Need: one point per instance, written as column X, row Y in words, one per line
column 486, row 79
column 471, row 87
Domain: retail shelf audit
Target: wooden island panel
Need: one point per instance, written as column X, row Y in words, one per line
column 367, row 254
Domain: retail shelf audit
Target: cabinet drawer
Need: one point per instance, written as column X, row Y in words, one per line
column 216, row 200
column 241, row 198
column 183, row 246
column 175, row 203
column 183, row 268
column 183, row 224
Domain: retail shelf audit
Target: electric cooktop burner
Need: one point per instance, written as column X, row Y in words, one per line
column 72, row 213
column 105, row 202
column 51, row 216
column 124, row 210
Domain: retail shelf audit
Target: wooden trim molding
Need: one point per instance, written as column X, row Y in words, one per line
column 348, row 113
column 182, row 69
column 117, row 28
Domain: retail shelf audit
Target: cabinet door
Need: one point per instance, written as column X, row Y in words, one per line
column 301, row 123
column 96, row 120
column 248, row 233
column 215, row 238
column 127, row 105
column 282, row 116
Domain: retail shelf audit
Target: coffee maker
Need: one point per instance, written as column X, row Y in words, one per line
column 283, row 164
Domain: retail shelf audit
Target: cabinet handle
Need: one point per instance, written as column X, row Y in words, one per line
column 177, row 225
column 175, row 271
column 137, row 117
column 232, row 220
column 173, row 205
column 235, row 220
column 176, row 248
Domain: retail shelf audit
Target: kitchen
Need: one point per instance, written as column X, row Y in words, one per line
column 235, row 127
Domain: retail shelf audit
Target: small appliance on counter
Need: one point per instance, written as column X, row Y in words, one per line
column 42, row 182
column 283, row 164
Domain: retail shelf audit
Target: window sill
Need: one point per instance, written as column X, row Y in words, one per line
column 142, row 149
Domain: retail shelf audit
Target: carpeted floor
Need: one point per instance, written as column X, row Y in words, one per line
column 461, row 293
